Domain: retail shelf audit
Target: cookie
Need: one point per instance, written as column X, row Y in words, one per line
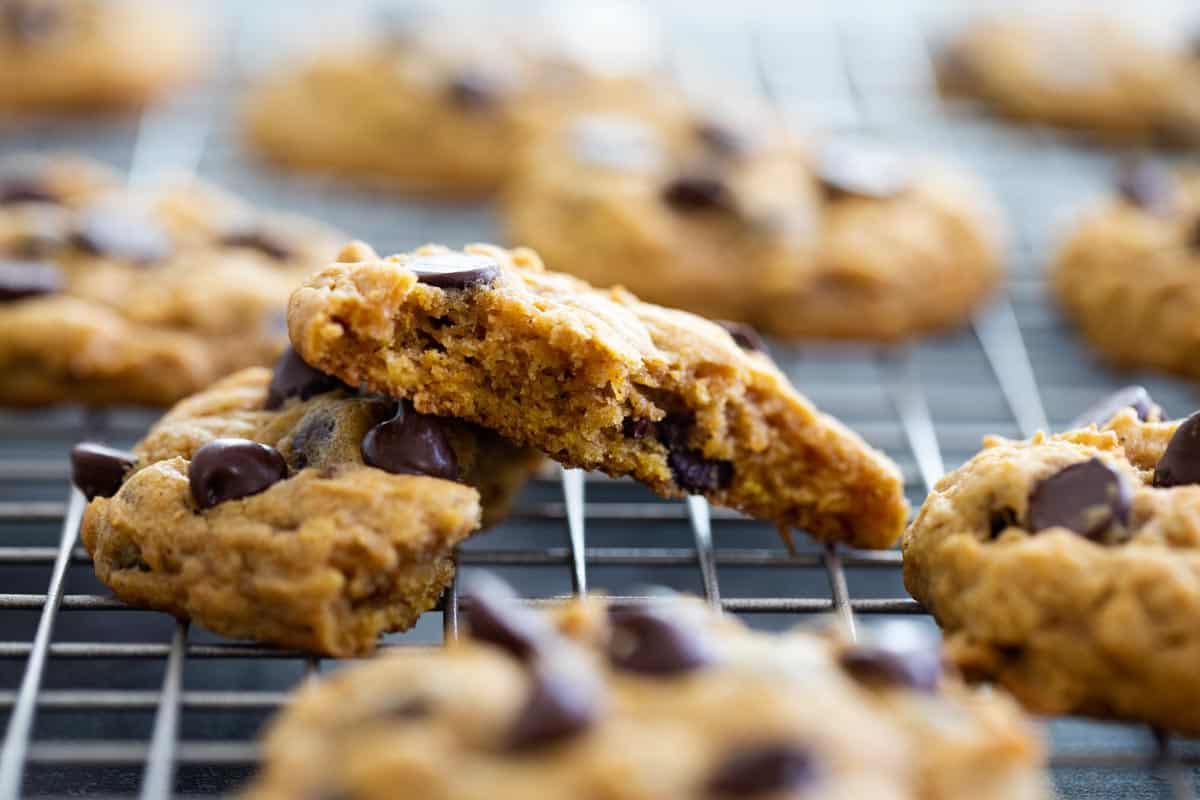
column 287, row 508
column 730, row 217
column 1126, row 274
column 649, row 701
column 112, row 298
column 1066, row 568
column 94, row 55
column 1083, row 73
column 595, row 379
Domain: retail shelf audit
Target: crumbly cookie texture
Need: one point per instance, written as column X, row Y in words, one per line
column 111, row 298
column 1126, row 274
column 668, row 700
column 322, row 555
column 595, row 379
column 94, row 55
column 730, row 217
column 1067, row 568
column 1084, row 73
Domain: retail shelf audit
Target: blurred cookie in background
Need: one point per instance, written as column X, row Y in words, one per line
column 94, row 55
column 1081, row 72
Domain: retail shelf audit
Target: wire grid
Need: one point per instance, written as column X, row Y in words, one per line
column 926, row 404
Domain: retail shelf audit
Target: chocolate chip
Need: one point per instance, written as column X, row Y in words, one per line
column 410, row 444
column 559, row 706
column 29, row 21
column 1087, row 498
column 474, row 91
column 1100, row 412
column 25, row 189
column 119, row 233
column 646, row 640
column 258, row 239
column 722, row 140
column 226, row 469
column 763, row 768
column 694, row 193
column 22, row 279
column 405, row 709
column 690, row 469
column 97, row 470
column 1180, row 464
column 293, row 377
column 636, row 428
column 311, row 437
column 615, row 142
column 848, row 170
column 744, row 335
column 495, row 616
column 766, row 768
column 912, row 668
column 1193, row 237
column 1146, row 184
column 1001, row 520
column 454, row 270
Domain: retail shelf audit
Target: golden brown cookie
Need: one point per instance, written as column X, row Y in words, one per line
column 289, row 509
column 1066, row 568
column 595, row 379
column 112, row 298
column 653, row 701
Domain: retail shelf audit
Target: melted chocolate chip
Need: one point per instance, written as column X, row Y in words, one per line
column 694, row 193
column 846, row 170
column 25, row 189
column 454, row 270
column 22, row 279
column 265, row 242
column 495, row 616
column 293, row 377
column 614, row 142
column 763, row 768
column 29, row 21
column 227, row 469
column 690, row 469
column 97, row 470
column 722, row 140
column 1147, row 185
column 558, row 707
column 636, row 428
column 744, row 335
column 1180, row 463
column 1087, row 498
column 1100, row 412
column 646, row 640
column 474, row 91
column 410, row 444
column 916, row 668
column 118, row 233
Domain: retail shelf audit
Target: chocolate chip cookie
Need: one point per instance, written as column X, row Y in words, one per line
column 1081, row 72
column 112, row 298
column 1127, row 274
column 649, row 701
column 90, row 55
column 1066, row 568
column 595, row 379
column 728, row 216
column 291, row 509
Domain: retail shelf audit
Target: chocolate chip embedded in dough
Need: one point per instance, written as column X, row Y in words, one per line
column 98, row 470
column 294, row 377
column 410, row 443
column 229, row 469
column 1089, row 498
column 23, row 279
column 119, row 233
column 1100, row 412
column 560, row 705
column 1180, row 463
column 453, row 270
column 495, row 616
column 651, row 641
column 771, row 767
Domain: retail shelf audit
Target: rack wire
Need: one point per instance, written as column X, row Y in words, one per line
column 927, row 404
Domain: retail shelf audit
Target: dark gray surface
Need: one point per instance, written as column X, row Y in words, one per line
column 853, row 75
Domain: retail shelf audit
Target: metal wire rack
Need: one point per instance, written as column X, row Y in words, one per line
column 133, row 703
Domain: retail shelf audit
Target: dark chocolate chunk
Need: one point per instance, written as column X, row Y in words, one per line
column 648, row 640
column 723, row 140
column 97, row 470
column 1146, row 184
column 1087, row 498
column 692, row 193
column 21, row 279
column 1180, row 463
column 559, row 706
column 912, row 668
column 746, row 337
column 849, row 170
column 496, row 616
column 29, row 21
column 636, row 428
column 474, row 91
column 410, row 444
column 615, row 142
column 293, row 377
column 16, row 189
column 690, row 469
column 763, row 768
column 119, row 233
column 258, row 239
column 454, row 270
column 1100, row 412
column 226, row 469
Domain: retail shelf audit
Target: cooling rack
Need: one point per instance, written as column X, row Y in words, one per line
column 104, row 700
